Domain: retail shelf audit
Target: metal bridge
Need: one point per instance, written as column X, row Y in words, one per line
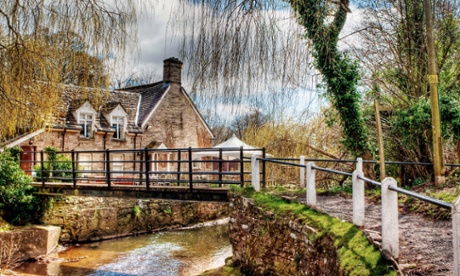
column 182, row 174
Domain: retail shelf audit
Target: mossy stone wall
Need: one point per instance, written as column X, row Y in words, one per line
column 273, row 237
column 267, row 244
column 84, row 218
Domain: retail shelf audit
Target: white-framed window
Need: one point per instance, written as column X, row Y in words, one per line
column 86, row 116
column 86, row 122
column 154, row 163
column 117, row 164
column 84, row 163
column 118, row 123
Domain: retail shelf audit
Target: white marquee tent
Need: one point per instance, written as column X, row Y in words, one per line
column 230, row 150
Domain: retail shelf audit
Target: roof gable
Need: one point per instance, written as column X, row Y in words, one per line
column 150, row 97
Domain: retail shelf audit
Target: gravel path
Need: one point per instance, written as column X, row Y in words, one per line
column 425, row 245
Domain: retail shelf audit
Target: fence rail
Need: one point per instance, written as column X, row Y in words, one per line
column 141, row 167
column 389, row 196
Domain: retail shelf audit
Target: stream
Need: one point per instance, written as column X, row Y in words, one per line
column 182, row 252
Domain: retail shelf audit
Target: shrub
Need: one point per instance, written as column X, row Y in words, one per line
column 57, row 167
column 17, row 202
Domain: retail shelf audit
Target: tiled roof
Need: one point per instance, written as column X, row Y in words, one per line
column 150, row 96
column 137, row 101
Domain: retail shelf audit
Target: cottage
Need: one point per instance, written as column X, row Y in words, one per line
column 160, row 115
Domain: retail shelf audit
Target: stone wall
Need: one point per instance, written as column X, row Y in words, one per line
column 84, row 219
column 268, row 244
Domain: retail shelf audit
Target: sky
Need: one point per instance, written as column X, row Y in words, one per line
column 156, row 42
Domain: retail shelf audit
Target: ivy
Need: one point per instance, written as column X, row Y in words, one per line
column 340, row 72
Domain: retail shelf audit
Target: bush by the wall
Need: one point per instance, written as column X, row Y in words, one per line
column 17, row 203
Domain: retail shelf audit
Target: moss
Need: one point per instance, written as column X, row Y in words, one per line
column 223, row 271
column 356, row 255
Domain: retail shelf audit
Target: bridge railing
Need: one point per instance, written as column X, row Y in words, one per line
column 192, row 167
column 389, row 199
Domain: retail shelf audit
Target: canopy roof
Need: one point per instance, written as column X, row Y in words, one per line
column 231, row 149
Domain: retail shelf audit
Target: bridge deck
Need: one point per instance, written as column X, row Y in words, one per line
column 137, row 191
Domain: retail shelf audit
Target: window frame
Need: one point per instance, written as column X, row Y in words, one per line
column 86, row 124
column 119, row 126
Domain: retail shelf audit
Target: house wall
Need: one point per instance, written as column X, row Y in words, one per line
column 176, row 124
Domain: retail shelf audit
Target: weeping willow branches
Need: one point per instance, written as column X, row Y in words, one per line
column 240, row 48
column 247, row 45
column 42, row 42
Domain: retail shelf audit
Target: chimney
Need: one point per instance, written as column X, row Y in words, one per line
column 172, row 70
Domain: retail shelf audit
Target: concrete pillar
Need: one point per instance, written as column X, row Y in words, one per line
column 302, row 172
column 390, row 223
column 311, row 189
column 255, row 172
column 456, row 235
column 358, row 194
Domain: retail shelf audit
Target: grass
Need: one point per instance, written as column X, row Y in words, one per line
column 356, row 255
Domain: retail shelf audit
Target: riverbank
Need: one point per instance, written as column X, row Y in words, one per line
column 184, row 252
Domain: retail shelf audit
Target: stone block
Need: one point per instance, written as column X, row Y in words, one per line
column 30, row 242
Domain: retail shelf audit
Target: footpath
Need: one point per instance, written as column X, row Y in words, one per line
column 425, row 244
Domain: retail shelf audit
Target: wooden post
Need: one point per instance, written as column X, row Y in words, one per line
column 358, row 194
column 390, row 223
column 147, row 169
column 74, row 174
column 456, row 235
column 302, row 172
column 107, row 167
column 264, row 168
column 311, row 189
column 42, row 167
column 178, row 166
column 255, row 174
column 439, row 179
column 241, row 166
column 190, row 168
column 220, row 167
column 380, row 140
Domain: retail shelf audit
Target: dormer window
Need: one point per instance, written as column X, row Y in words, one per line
column 86, row 118
column 86, row 122
column 117, row 118
column 118, row 123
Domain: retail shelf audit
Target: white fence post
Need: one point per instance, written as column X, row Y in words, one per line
column 456, row 235
column 302, row 172
column 255, row 174
column 311, row 190
column 358, row 194
column 390, row 223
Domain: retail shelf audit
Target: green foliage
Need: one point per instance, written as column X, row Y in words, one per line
column 411, row 127
column 16, row 199
column 137, row 210
column 57, row 167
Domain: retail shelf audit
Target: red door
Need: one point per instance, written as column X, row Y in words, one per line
column 27, row 159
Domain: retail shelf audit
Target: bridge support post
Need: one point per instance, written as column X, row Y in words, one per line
column 456, row 235
column 255, row 175
column 390, row 223
column 358, row 195
column 311, row 189
column 302, row 172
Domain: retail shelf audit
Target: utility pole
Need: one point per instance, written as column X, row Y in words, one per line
column 434, row 98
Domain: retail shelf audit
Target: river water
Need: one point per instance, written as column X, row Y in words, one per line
column 181, row 252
